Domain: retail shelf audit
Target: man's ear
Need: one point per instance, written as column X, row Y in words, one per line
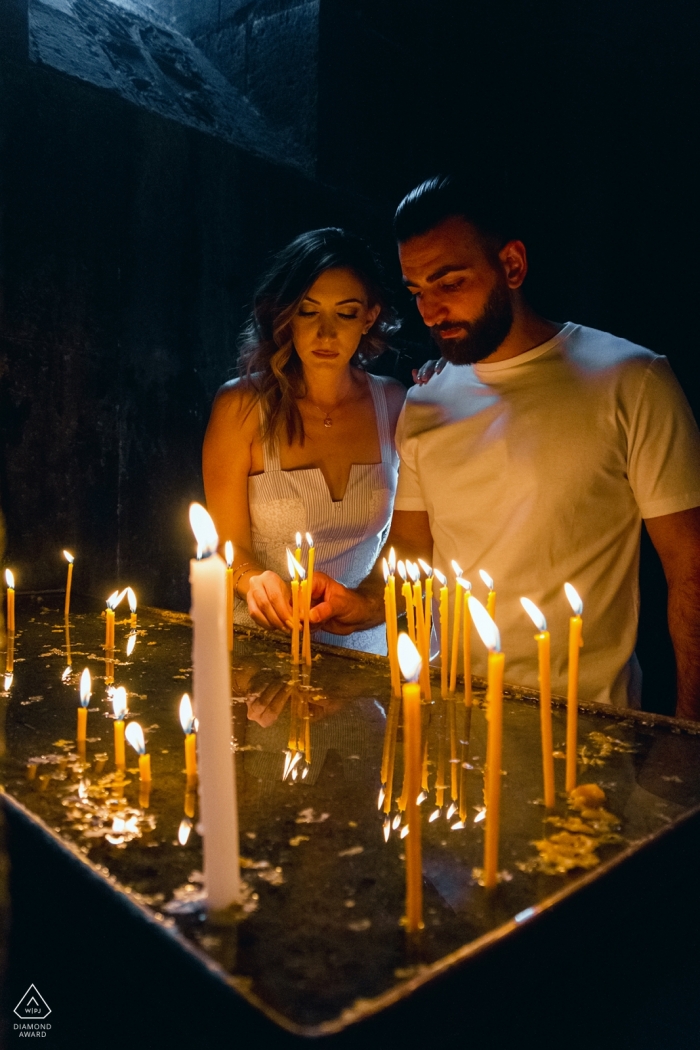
column 513, row 257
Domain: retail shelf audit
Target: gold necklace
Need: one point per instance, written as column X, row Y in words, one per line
column 327, row 421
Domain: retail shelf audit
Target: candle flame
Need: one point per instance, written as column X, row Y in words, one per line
column 441, row 579
column 67, row 673
column 458, row 826
column 298, row 567
column 113, row 600
column 486, row 578
column 404, row 831
column 309, row 539
column 421, row 798
column 392, row 561
column 574, row 599
column 9, row 578
column 131, row 643
column 8, row 682
column 290, row 565
column 68, row 556
column 465, row 584
column 413, row 571
column 183, row 832
column 381, row 797
column 409, row 658
column 480, row 815
column 451, row 811
column 119, row 702
column 488, row 632
column 427, row 569
column 298, row 539
column 134, row 734
column 402, row 570
column 385, row 570
column 228, row 553
column 534, row 613
column 457, row 568
column 387, row 829
column 85, row 688
column 396, row 822
column 132, row 599
column 204, row 530
column 433, row 816
column 186, row 715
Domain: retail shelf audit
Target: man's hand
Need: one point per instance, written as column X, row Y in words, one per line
column 427, row 370
column 339, row 610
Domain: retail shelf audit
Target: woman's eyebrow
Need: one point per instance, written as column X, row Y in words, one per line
column 341, row 302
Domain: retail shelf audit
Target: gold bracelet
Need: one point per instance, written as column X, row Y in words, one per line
column 238, row 573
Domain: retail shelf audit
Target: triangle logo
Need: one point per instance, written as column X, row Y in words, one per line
column 32, row 1006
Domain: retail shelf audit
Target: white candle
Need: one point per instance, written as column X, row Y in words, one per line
column 212, row 700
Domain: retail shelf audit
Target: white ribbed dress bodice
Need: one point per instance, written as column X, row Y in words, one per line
column 348, row 534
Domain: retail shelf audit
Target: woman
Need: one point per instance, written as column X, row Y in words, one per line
column 303, row 441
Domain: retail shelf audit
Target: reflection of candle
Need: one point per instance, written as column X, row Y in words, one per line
column 491, row 599
column 212, row 696
column 183, row 832
column 228, row 554
column 455, row 631
column 543, row 647
column 444, row 633
column 575, row 643
column 410, row 662
column 466, row 587
column 69, row 658
column 10, row 581
column 132, row 606
column 85, row 687
column 131, row 643
column 187, row 723
column 491, row 638
column 69, row 579
column 119, row 709
column 408, row 599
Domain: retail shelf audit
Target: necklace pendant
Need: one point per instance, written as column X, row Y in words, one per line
column 328, row 422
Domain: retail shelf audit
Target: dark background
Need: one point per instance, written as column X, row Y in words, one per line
column 131, row 235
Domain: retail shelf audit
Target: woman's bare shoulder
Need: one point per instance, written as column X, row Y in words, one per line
column 395, row 393
column 235, row 401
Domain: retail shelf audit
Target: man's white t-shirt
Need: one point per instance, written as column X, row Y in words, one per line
column 539, row 470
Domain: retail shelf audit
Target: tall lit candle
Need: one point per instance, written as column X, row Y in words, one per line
column 134, row 735
column 396, row 680
column 544, row 666
column 491, row 599
column 310, row 566
column 131, row 597
column 422, row 642
column 428, row 613
column 119, row 707
column 410, row 663
column 187, row 721
column 465, row 587
column 228, row 554
column 456, row 624
column 112, row 603
column 444, row 633
column 407, row 595
column 490, row 636
column 85, row 689
column 391, row 630
column 10, row 581
column 69, row 580
column 295, row 571
column 307, row 598
column 575, row 643
column 297, row 551
column 212, row 702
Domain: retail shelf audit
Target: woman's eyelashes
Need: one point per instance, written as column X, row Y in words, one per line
column 314, row 313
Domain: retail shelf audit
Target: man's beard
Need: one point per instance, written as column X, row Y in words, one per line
column 483, row 336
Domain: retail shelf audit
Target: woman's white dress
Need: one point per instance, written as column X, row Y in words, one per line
column 348, row 534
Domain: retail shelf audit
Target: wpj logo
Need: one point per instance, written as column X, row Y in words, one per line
column 32, row 1008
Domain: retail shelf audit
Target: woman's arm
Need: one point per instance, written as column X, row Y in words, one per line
column 226, row 466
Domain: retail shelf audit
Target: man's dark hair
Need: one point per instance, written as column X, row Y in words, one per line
column 443, row 196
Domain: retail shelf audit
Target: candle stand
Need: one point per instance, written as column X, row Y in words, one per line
column 318, row 947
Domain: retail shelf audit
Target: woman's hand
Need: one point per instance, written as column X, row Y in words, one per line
column 425, row 373
column 270, row 601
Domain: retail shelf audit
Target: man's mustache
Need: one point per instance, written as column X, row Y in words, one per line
column 447, row 326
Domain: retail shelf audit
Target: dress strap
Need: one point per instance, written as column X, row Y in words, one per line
column 381, row 411
column 270, row 448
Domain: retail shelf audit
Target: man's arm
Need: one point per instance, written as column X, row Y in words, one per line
column 676, row 538
column 342, row 611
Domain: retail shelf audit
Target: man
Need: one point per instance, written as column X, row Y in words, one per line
column 535, row 454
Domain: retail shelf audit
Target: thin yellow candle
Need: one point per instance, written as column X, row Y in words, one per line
column 85, row 688
column 391, row 631
column 489, row 634
column 9, row 660
column 112, row 603
column 228, row 555
column 466, row 588
column 10, row 581
column 544, row 665
column 410, row 663
column 187, row 721
column 119, row 709
column 69, row 657
column 292, row 565
column 131, row 597
column 304, row 605
column 297, row 551
column 407, row 594
column 190, row 805
column 421, row 641
column 134, row 735
column 69, row 580
column 444, row 633
column 575, row 643
column 310, row 565
column 428, row 611
column 491, row 599
column 456, row 624
column 440, row 784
